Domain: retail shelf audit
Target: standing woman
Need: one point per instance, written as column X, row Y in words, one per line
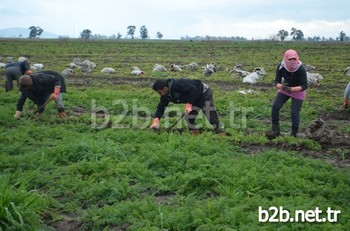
column 15, row 70
column 291, row 82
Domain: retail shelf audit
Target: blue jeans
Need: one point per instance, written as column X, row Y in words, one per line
column 278, row 103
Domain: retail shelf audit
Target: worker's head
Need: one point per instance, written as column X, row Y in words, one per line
column 22, row 59
column 291, row 60
column 161, row 86
column 26, row 82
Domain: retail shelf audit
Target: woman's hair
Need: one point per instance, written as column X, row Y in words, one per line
column 159, row 84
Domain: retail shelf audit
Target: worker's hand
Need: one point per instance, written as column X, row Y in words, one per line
column 17, row 114
column 287, row 89
column 346, row 103
column 54, row 95
column 279, row 86
column 62, row 114
column 155, row 124
column 188, row 108
column 29, row 72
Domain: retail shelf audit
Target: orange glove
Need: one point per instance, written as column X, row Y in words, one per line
column 55, row 93
column 62, row 114
column 155, row 124
column 346, row 103
column 188, row 108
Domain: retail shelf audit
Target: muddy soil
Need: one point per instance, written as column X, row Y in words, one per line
column 335, row 151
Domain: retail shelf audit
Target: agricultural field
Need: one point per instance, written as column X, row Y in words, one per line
column 101, row 168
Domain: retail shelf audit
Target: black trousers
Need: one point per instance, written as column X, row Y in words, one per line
column 12, row 74
column 278, row 103
column 206, row 104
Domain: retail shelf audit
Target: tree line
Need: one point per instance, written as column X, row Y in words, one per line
column 297, row 35
column 87, row 34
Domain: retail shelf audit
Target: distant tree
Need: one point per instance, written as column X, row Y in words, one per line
column 119, row 35
column 35, row 32
column 159, row 35
column 298, row 35
column 131, row 31
column 143, row 32
column 85, row 34
column 282, row 34
column 342, row 36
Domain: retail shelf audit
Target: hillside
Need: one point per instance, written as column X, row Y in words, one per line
column 19, row 32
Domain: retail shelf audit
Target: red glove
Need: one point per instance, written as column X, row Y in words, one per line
column 188, row 108
column 155, row 124
column 55, row 93
column 346, row 103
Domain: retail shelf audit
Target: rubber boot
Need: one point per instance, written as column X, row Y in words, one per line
column 294, row 132
column 276, row 129
column 218, row 129
column 274, row 132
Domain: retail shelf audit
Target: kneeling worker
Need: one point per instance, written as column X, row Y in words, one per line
column 42, row 87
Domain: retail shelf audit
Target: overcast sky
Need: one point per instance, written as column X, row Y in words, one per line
column 257, row 19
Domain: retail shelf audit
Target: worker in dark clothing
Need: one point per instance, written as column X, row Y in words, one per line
column 291, row 82
column 194, row 94
column 15, row 70
column 41, row 87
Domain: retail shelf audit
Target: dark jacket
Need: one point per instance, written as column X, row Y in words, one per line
column 43, row 86
column 180, row 91
column 22, row 66
column 292, row 79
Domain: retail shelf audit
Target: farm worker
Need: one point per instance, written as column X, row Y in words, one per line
column 41, row 87
column 346, row 96
column 15, row 70
column 293, row 74
column 191, row 92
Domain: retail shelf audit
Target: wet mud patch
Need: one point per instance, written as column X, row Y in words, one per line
column 339, row 156
column 335, row 150
column 339, row 115
column 68, row 222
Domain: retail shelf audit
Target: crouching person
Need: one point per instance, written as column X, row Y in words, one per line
column 194, row 94
column 41, row 87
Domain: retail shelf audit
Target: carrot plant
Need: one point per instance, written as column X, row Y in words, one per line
column 102, row 169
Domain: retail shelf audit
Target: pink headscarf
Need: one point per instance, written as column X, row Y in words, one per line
column 291, row 65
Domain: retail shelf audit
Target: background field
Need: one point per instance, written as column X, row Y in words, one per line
column 95, row 171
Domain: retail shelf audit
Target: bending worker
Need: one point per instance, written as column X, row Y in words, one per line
column 41, row 87
column 191, row 92
column 15, row 70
